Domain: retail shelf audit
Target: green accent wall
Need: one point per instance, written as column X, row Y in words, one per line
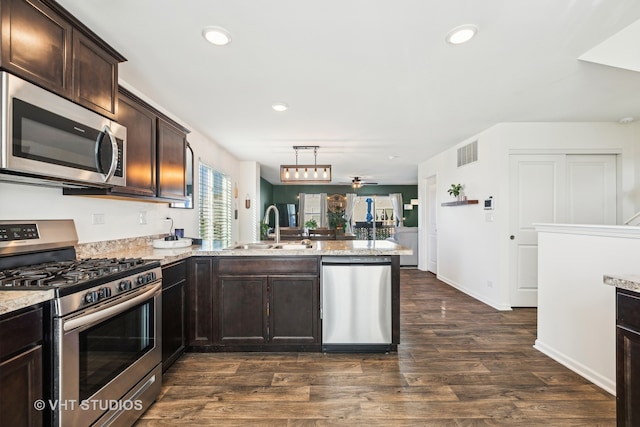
column 270, row 194
column 266, row 196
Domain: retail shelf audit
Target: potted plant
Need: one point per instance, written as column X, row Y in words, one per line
column 311, row 224
column 336, row 218
column 264, row 230
column 456, row 191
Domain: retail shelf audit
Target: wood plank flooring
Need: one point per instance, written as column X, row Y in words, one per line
column 460, row 363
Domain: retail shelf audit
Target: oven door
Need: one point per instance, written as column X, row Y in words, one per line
column 105, row 358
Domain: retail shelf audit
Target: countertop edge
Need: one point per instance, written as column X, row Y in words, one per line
column 11, row 301
column 629, row 282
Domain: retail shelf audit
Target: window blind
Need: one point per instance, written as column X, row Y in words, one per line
column 215, row 206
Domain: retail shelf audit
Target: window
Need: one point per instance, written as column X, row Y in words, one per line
column 312, row 208
column 215, row 206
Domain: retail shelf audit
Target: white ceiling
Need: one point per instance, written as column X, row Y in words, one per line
column 367, row 79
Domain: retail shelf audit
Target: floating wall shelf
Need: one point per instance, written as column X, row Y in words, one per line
column 461, row 203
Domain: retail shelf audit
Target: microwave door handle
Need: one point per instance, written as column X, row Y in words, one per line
column 114, row 152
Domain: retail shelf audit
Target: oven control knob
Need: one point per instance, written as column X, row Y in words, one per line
column 104, row 293
column 91, row 297
column 143, row 279
column 125, row 285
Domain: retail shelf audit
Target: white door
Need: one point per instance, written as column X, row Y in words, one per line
column 591, row 189
column 534, row 197
column 553, row 189
column 432, row 229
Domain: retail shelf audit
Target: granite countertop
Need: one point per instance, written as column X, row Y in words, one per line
column 15, row 300
column 318, row 248
column 630, row 282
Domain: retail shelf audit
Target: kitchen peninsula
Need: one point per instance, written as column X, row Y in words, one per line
column 268, row 299
column 281, row 284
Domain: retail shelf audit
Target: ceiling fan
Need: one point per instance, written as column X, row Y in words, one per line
column 356, row 182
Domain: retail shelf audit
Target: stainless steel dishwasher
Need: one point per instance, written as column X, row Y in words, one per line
column 356, row 304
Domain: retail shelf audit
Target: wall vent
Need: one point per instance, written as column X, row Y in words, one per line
column 468, row 153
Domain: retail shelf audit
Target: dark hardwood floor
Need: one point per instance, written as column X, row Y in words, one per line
column 460, row 363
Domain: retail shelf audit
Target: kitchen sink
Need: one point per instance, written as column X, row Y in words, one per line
column 292, row 246
column 269, row 246
column 251, row 246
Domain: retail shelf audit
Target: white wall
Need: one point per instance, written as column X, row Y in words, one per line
column 473, row 252
column 249, row 187
column 122, row 217
column 576, row 311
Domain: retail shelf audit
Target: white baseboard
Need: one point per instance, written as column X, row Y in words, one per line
column 577, row 367
column 481, row 298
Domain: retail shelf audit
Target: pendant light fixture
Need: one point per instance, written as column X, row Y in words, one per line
column 305, row 173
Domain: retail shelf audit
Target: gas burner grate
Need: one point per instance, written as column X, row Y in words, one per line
column 62, row 273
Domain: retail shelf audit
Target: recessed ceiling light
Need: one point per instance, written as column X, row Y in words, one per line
column 461, row 34
column 280, row 106
column 216, row 35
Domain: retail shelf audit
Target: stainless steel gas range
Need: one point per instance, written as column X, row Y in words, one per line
column 105, row 322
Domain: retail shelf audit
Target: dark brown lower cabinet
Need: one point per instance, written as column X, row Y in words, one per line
column 628, row 358
column 201, row 305
column 21, row 382
column 242, row 311
column 254, row 304
column 174, row 338
column 293, row 309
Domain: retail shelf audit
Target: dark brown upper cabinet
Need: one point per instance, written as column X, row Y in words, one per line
column 43, row 43
column 95, row 76
column 172, row 146
column 140, row 122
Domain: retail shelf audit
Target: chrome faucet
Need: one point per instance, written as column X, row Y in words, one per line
column 266, row 220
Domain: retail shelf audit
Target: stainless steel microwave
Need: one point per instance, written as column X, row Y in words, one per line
column 45, row 137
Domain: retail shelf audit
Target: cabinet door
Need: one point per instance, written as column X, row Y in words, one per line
column 36, row 44
column 95, row 77
column 21, row 385
column 172, row 143
column 628, row 377
column 141, row 147
column 173, row 313
column 294, row 310
column 243, row 309
column 201, row 306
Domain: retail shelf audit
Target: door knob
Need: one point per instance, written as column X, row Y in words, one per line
column 512, row 237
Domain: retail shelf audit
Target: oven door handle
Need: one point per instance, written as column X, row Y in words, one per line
column 105, row 313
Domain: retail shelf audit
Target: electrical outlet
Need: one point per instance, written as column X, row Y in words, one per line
column 142, row 218
column 97, row 219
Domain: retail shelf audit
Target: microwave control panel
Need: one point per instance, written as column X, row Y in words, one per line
column 18, row 232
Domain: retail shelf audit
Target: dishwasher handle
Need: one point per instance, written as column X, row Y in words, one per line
column 356, row 260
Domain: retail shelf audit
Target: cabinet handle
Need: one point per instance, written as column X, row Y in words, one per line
column 512, row 237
